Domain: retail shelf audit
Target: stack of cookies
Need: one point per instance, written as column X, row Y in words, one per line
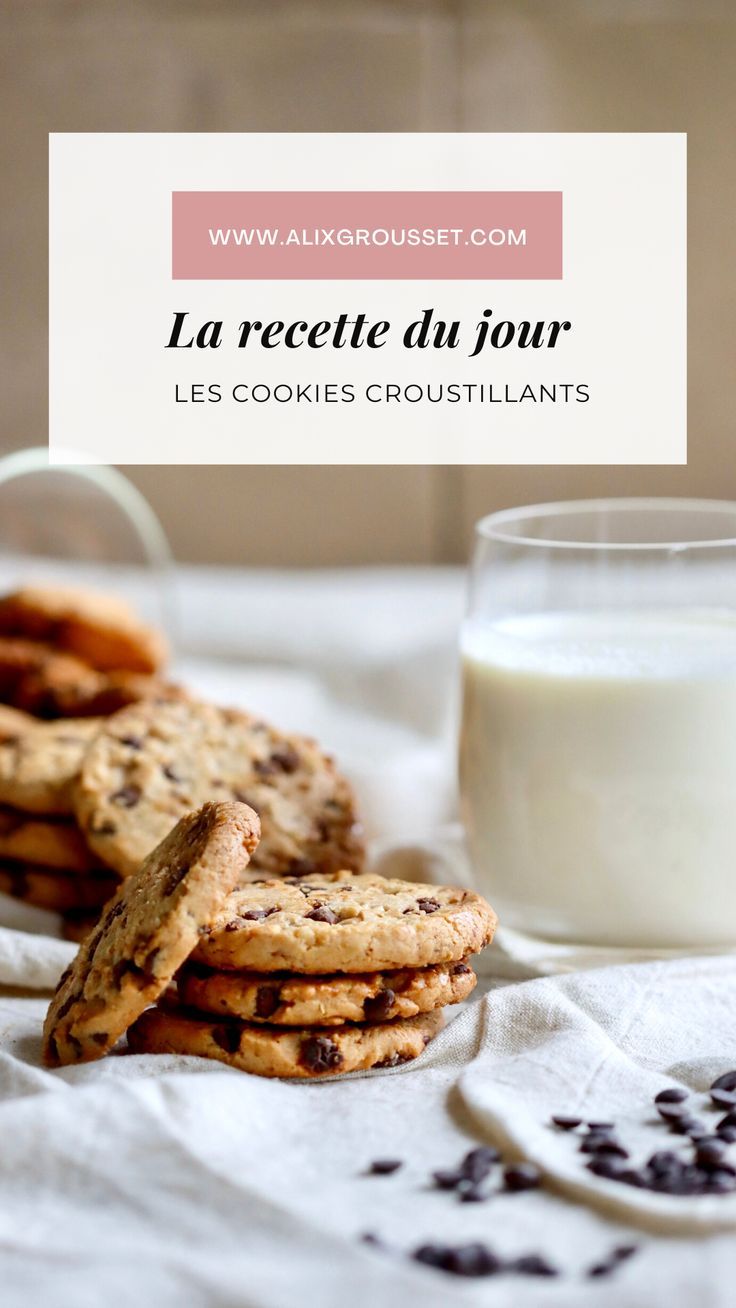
column 63, row 653
column 297, row 977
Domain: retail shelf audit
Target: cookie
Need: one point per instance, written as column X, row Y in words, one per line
column 51, row 842
column 102, row 630
column 47, row 683
column 288, row 1000
column 55, row 890
column 147, row 931
column 345, row 923
column 264, row 1051
column 152, row 763
column 40, row 761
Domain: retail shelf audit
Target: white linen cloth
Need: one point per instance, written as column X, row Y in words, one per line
column 163, row 1181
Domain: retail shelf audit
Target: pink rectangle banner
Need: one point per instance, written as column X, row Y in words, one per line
column 371, row 235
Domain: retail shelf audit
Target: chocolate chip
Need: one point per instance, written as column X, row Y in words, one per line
column 477, row 1164
column 447, row 1179
column 691, row 1126
column 227, row 1037
column 728, row 1120
column 378, row 1007
column 566, row 1123
column 470, row 1193
column 671, row 1112
column 601, row 1126
column 286, row 759
column 133, row 742
column 426, row 905
column 370, row 1237
column 723, row 1098
column 127, row 796
column 268, row 999
column 322, row 914
column 532, row 1265
column 709, row 1153
column 460, row 968
column 171, row 774
column 624, row 1251
column 522, row 1176
column 607, row 1166
column 601, row 1269
column 100, row 1038
column 463, row 1260
column 673, row 1095
column 320, row 1054
column 127, row 968
column 384, row 1166
column 727, row 1133
column 725, row 1082
column 253, row 915
column 67, row 1004
column 394, row 1060
column 174, row 877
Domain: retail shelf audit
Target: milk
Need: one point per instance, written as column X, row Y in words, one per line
column 598, row 774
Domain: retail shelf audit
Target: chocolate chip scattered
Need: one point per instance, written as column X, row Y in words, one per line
column 253, row 915
column 446, row 1179
column 268, row 999
column 170, row 773
column 460, row 968
column 322, row 913
column 533, row 1265
column 601, row 1126
column 100, row 1038
column 384, row 1166
column 709, row 1153
column 370, row 1237
column 723, row 1098
column 133, row 742
column 607, row 1166
column 477, row 1164
column 227, row 1037
column 378, row 1007
column 673, row 1095
column 691, row 1126
column 672, row 1112
column 286, row 759
column 725, row 1082
column 727, row 1133
column 127, row 796
column 522, row 1176
column 566, row 1123
column 320, row 1054
column 463, row 1260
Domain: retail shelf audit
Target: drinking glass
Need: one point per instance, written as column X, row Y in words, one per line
column 598, row 737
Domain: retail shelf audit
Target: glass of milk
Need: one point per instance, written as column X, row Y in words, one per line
column 598, row 740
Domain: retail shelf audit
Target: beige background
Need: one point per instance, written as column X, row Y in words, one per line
column 416, row 65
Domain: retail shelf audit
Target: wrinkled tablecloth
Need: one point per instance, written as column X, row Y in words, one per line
column 174, row 1181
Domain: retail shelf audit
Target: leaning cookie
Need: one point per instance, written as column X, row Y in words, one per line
column 345, row 923
column 153, row 762
column 289, row 1000
column 102, row 630
column 265, row 1051
column 147, row 931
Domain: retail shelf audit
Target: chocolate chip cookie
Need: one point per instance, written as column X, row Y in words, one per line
column 101, row 630
column 147, row 931
column 58, row 891
column 50, row 683
column 265, row 1051
column 40, row 761
column 52, row 842
column 288, row 1000
column 345, row 923
column 154, row 762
